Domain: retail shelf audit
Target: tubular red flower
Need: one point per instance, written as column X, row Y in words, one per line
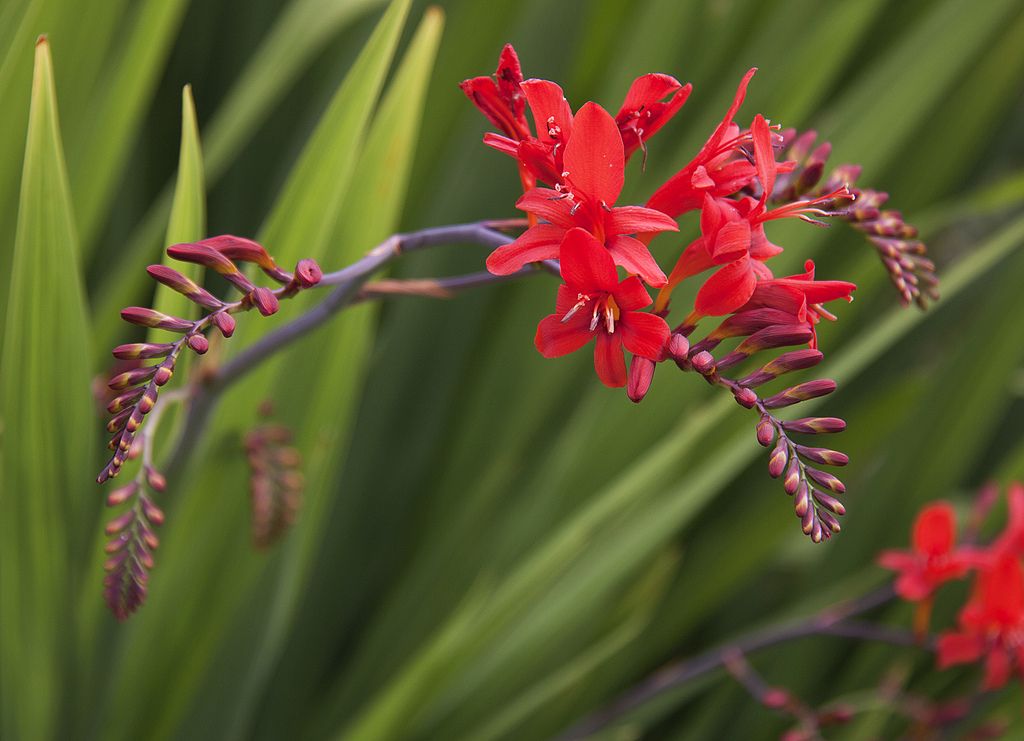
column 590, row 184
column 594, row 304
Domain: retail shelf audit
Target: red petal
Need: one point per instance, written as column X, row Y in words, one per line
column 958, row 648
column 585, row 263
column 637, row 219
column 539, row 159
column 731, row 242
column 997, row 668
column 695, row 259
column 547, row 102
column 509, row 74
column 609, row 361
column 502, row 143
column 555, row 338
column 631, row 294
column 643, row 334
column 546, row 204
column 935, row 530
column 897, row 560
column 633, row 255
column 719, row 133
column 726, row 290
column 535, row 244
column 643, row 111
column 594, row 155
column 644, row 91
column 764, row 155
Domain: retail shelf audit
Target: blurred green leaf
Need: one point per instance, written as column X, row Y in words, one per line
column 48, row 429
column 188, row 213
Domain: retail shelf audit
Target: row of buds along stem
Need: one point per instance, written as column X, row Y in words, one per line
column 902, row 253
column 139, row 387
column 813, row 489
column 131, row 543
column 275, row 482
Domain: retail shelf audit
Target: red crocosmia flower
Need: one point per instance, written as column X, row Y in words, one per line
column 718, row 169
column 594, row 304
column 800, row 296
column 499, row 97
column 590, row 184
column 991, row 624
column 934, row 560
column 645, row 109
column 732, row 236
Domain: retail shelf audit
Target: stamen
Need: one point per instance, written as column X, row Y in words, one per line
column 580, row 303
column 594, row 320
column 609, row 319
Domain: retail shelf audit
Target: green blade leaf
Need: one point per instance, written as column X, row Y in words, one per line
column 188, row 213
column 48, row 432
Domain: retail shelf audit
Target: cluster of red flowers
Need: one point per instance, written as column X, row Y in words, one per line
column 991, row 622
column 738, row 184
column 582, row 156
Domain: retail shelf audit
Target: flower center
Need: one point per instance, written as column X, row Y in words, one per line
column 605, row 310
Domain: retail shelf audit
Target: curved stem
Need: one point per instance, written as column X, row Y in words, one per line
column 832, row 621
column 347, row 284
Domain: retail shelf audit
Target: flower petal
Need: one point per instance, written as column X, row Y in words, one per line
column 695, row 259
column 585, row 264
column 643, row 334
column 535, row 244
column 594, row 155
column 547, row 204
column 631, row 295
column 633, row 255
column 731, row 242
column 726, row 290
column 637, row 219
column 997, row 668
column 609, row 361
column 959, row 648
column 935, row 530
column 555, row 338
column 552, row 115
column 764, row 156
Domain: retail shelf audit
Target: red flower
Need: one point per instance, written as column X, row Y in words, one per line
column 499, row 97
column 594, row 304
column 591, row 182
column 651, row 101
column 732, row 236
column 799, row 296
column 645, row 109
column 992, row 624
column 933, row 560
column 719, row 169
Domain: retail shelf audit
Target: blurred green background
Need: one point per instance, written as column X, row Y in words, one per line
column 492, row 545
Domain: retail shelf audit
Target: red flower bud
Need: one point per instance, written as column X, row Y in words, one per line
column 641, row 374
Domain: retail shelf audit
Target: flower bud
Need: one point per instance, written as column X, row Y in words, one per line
column 122, row 494
column 132, row 377
column 801, row 392
column 802, row 499
column 199, row 344
column 829, row 502
column 152, row 318
column 704, row 363
column 308, row 273
column 641, row 374
column 225, row 323
column 823, row 455
column 745, row 397
column 184, row 285
column 142, row 350
column 678, row 347
column 264, row 300
column 765, row 430
column 792, row 478
column 815, row 425
column 778, row 459
column 824, row 478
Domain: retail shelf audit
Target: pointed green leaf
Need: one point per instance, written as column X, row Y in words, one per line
column 188, row 213
column 48, row 429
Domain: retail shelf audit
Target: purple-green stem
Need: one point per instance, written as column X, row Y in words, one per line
column 349, row 287
column 832, row 621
